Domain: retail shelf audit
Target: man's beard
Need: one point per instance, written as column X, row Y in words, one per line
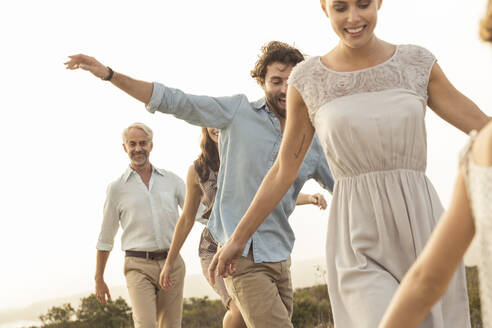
column 272, row 102
column 140, row 162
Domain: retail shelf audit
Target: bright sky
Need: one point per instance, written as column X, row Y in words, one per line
column 62, row 129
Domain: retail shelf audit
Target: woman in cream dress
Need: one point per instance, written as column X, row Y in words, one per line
column 366, row 100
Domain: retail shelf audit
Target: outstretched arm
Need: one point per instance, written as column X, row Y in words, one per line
column 203, row 111
column 452, row 105
column 295, row 143
column 183, row 227
column 139, row 90
column 314, row 199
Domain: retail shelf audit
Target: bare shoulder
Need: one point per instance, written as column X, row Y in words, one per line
column 482, row 147
column 295, row 97
column 192, row 176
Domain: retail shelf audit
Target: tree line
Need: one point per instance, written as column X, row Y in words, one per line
column 312, row 309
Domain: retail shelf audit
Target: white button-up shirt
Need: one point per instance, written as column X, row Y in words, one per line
column 146, row 215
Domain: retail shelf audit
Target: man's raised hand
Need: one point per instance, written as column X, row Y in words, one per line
column 87, row 63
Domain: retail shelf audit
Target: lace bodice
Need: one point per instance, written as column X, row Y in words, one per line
column 408, row 68
column 479, row 184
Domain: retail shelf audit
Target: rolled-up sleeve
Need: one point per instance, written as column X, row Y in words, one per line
column 110, row 223
column 213, row 112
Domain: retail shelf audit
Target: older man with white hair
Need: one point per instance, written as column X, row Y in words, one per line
column 144, row 201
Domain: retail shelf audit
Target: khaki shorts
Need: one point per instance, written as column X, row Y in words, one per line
column 263, row 292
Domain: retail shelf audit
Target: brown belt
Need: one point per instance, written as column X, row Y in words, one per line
column 147, row 255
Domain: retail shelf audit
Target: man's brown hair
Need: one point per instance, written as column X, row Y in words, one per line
column 274, row 51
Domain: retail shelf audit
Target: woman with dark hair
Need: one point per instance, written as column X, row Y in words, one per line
column 201, row 187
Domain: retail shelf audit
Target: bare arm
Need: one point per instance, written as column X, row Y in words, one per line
column 139, row 90
column 295, row 143
column 102, row 290
column 315, row 199
column 303, row 199
column 482, row 147
column 183, row 227
column 452, row 105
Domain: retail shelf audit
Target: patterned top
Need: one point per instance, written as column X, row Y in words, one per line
column 208, row 245
column 209, row 189
column 479, row 184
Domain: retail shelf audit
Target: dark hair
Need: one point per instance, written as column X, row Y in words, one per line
column 486, row 24
column 208, row 158
column 274, row 51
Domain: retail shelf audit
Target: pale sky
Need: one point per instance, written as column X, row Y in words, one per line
column 61, row 129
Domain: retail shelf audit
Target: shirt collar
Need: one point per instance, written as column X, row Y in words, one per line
column 260, row 104
column 159, row 171
column 129, row 171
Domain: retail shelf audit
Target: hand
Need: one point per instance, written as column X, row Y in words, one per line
column 165, row 277
column 225, row 260
column 102, row 291
column 318, row 200
column 88, row 64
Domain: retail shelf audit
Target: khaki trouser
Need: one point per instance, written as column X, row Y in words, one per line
column 152, row 306
column 263, row 292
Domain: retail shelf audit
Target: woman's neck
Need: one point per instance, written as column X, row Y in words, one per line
column 370, row 49
column 345, row 59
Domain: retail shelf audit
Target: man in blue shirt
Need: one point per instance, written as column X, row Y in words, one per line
column 250, row 137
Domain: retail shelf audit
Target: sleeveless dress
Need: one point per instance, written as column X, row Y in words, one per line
column 479, row 185
column 370, row 123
